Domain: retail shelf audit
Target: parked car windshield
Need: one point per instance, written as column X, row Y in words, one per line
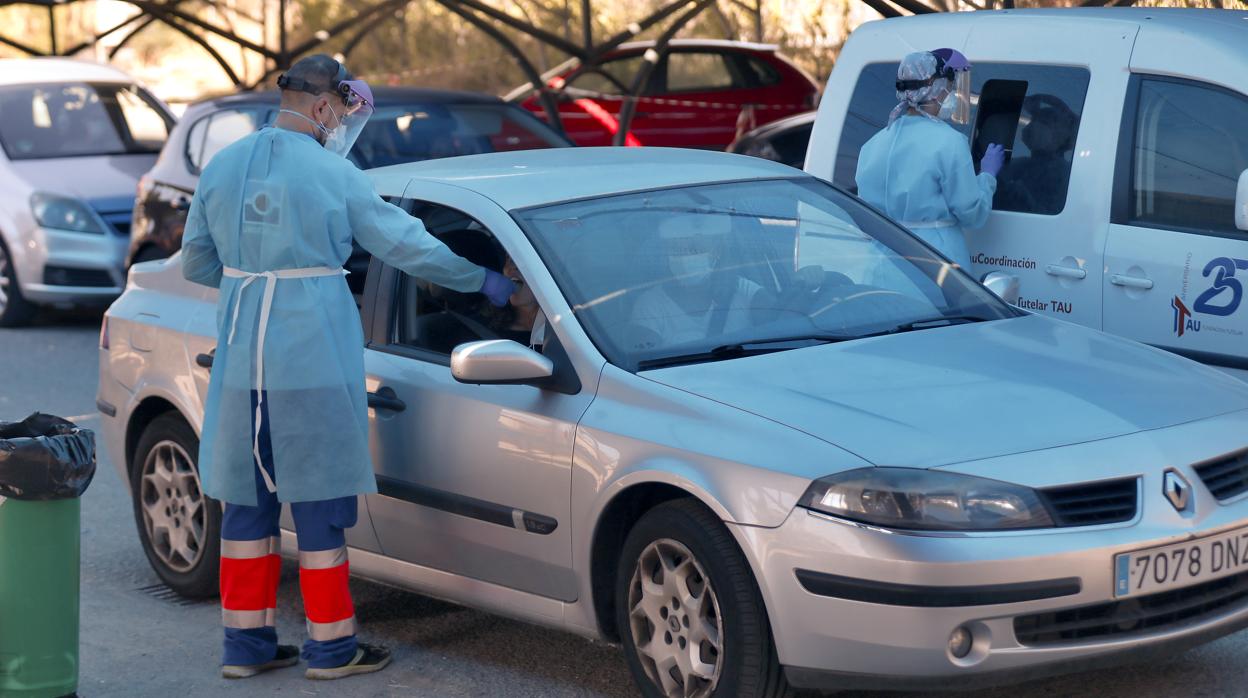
column 413, row 132
column 705, row 269
column 79, row 119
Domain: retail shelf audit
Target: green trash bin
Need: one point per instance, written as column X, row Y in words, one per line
column 46, row 464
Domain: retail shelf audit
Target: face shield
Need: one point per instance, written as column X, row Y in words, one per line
column 956, row 70
column 942, row 78
column 358, row 108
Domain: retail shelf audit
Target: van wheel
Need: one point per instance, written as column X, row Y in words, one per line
column 15, row 310
column 179, row 526
column 689, row 612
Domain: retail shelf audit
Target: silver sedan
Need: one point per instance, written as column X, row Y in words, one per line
column 742, row 424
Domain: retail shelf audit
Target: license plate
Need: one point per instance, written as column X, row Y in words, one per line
column 1180, row 564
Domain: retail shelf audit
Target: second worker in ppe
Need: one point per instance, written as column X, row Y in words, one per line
column 918, row 170
column 285, row 419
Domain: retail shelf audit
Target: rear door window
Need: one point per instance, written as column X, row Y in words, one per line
column 1033, row 110
column 1190, row 148
column 701, row 71
column 212, row 133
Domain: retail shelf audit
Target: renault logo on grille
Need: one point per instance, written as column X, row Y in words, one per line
column 1177, row 490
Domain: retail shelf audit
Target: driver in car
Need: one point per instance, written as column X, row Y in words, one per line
column 700, row 298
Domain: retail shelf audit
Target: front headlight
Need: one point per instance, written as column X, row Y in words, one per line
column 930, row 500
column 64, row 213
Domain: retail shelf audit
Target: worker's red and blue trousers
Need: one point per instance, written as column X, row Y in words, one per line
column 251, row 569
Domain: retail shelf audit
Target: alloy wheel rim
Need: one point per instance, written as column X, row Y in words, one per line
column 675, row 621
column 174, row 512
column 4, row 279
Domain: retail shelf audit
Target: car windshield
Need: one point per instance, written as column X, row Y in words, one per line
column 692, row 273
column 413, row 132
column 79, row 119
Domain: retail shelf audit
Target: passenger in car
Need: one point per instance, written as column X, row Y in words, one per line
column 1037, row 183
column 918, row 170
column 522, row 319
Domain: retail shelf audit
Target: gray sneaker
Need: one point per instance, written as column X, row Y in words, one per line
column 368, row 658
column 287, row 655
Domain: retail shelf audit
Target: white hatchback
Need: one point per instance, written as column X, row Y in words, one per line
column 1124, row 203
column 75, row 138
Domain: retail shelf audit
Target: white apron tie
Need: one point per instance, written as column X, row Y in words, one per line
column 266, row 307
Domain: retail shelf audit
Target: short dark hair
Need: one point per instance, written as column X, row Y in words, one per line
column 315, row 74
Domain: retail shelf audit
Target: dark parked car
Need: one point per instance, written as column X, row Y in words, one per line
column 782, row 141
column 410, row 125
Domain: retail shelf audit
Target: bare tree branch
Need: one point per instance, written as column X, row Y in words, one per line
column 883, row 8
column 647, row 67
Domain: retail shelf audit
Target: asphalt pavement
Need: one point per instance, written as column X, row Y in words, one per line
column 138, row 640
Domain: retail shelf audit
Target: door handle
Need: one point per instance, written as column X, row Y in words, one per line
column 205, row 360
column 1066, row 272
column 386, row 399
column 1131, row 281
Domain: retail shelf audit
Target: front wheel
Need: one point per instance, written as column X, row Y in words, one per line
column 689, row 612
column 179, row 526
column 15, row 310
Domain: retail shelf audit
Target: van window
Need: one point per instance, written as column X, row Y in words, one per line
column 1034, row 109
column 1191, row 145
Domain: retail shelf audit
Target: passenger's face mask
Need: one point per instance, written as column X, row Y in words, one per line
column 691, row 269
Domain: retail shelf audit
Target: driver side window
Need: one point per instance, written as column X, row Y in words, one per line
column 437, row 319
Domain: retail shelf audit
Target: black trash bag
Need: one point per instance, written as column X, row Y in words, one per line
column 44, row 457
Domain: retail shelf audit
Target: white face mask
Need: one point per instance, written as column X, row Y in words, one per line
column 948, row 106
column 691, row 269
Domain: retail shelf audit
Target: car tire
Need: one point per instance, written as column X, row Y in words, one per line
column 701, row 562
column 179, row 526
column 15, row 310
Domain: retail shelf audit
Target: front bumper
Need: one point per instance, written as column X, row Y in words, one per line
column 853, row 606
column 53, row 260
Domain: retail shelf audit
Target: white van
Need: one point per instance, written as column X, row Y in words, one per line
column 1124, row 205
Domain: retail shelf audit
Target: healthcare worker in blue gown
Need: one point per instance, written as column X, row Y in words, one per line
column 285, row 420
column 918, row 170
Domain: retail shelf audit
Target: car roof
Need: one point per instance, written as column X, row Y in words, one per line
column 1215, row 26
column 25, row 71
column 701, row 43
column 383, row 95
column 520, row 179
column 788, row 122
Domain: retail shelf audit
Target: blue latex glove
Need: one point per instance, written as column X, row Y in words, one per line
column 497, row 288
column 993, row 160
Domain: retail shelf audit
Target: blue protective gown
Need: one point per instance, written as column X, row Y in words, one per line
column 277, row 200
column 919, row 172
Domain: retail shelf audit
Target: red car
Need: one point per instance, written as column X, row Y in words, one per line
column 702, row 94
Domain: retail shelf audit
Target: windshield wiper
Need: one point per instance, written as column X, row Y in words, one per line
column 926, row 323
column 739, row 349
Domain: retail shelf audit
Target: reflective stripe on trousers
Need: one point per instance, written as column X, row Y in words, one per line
column 251, row 571
column 266, row 309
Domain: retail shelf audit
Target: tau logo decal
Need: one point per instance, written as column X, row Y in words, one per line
column 1183, row 321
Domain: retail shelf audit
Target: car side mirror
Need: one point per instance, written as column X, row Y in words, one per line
column 499, row 362
column 1004, row 286
column 1241, row 202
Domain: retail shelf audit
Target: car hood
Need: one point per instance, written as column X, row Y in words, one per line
column 100, row 180
column 952, row 394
